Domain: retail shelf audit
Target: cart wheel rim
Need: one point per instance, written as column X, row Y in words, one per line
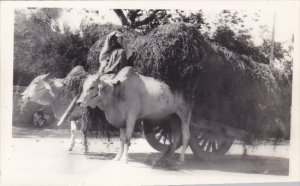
column 158, row 136
column 208, row 144
column 162, row 135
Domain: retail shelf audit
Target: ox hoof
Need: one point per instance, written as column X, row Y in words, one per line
column 162, row 163
column 124, row 160
column 117, row 158
column 85, row 151
column 70, row 149
column 181, row 160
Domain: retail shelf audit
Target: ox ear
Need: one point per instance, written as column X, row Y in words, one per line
column 48, row 88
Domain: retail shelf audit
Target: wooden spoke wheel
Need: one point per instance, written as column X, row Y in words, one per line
column 158, row 134
column 208, row 144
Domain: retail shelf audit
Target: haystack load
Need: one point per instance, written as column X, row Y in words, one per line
column 225, row 87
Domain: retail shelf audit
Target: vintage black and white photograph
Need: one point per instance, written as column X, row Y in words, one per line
column 150, row 96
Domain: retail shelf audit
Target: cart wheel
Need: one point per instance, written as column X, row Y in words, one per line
column 207, row 144
column 158, row 135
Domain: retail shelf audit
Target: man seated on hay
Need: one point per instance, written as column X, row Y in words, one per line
column 112, row 59
column 113, row 54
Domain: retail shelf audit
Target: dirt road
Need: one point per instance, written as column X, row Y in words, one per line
column 40, row 157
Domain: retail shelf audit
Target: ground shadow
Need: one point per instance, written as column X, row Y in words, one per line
column 32, row 133
column 249, row 164
column 229, row 163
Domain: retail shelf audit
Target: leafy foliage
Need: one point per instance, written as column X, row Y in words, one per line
column 63, row 53
column 196, row 19
column 31, row 32
column 143, row 20
column 240, row 44
column 147, row 20
column 40, row 47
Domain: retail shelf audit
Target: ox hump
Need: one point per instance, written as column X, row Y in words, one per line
column 125, row 73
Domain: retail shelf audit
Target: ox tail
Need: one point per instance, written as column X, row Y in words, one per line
column 68, row 111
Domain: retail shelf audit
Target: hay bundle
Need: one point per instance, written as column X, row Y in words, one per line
column 171, row 53
column 97, row 125
column 237, row 91
column 74, row 80
column 224, row 87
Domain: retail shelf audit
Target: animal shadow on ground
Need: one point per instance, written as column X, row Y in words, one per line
column 249, row 164
column 100, row 156
column 134, row 157
column 34, row 133
column 229, row 163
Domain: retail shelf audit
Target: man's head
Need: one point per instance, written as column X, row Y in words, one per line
column 113, row 40
column 116, row 39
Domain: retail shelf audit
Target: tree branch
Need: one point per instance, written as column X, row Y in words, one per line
column 132, row 15
column 122, row 17
column 146, row 20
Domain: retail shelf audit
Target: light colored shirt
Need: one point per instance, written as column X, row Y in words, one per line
column 116, row 61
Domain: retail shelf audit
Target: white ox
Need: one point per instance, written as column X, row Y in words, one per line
column 46, row 91
column 129, row 97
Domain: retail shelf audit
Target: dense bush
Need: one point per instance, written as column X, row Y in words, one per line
column 240, row 44
column 40, row 47
column 30, row 35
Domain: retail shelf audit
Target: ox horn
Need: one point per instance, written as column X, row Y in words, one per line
column 99, row 74
column 68, row 111
column 49, row 88
column 45, row 76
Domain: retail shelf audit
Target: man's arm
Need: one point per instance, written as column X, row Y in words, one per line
column 103, row 64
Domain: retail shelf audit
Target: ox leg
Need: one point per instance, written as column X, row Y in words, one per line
column 84, row 130
column 122, row 142
column 185, row 136
column 73, row 129
column 164, row 161
column 129, row 129
column 185, row 141
column 85, row 143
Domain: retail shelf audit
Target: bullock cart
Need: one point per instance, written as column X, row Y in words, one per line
column 208, row 139
column 247, row 97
